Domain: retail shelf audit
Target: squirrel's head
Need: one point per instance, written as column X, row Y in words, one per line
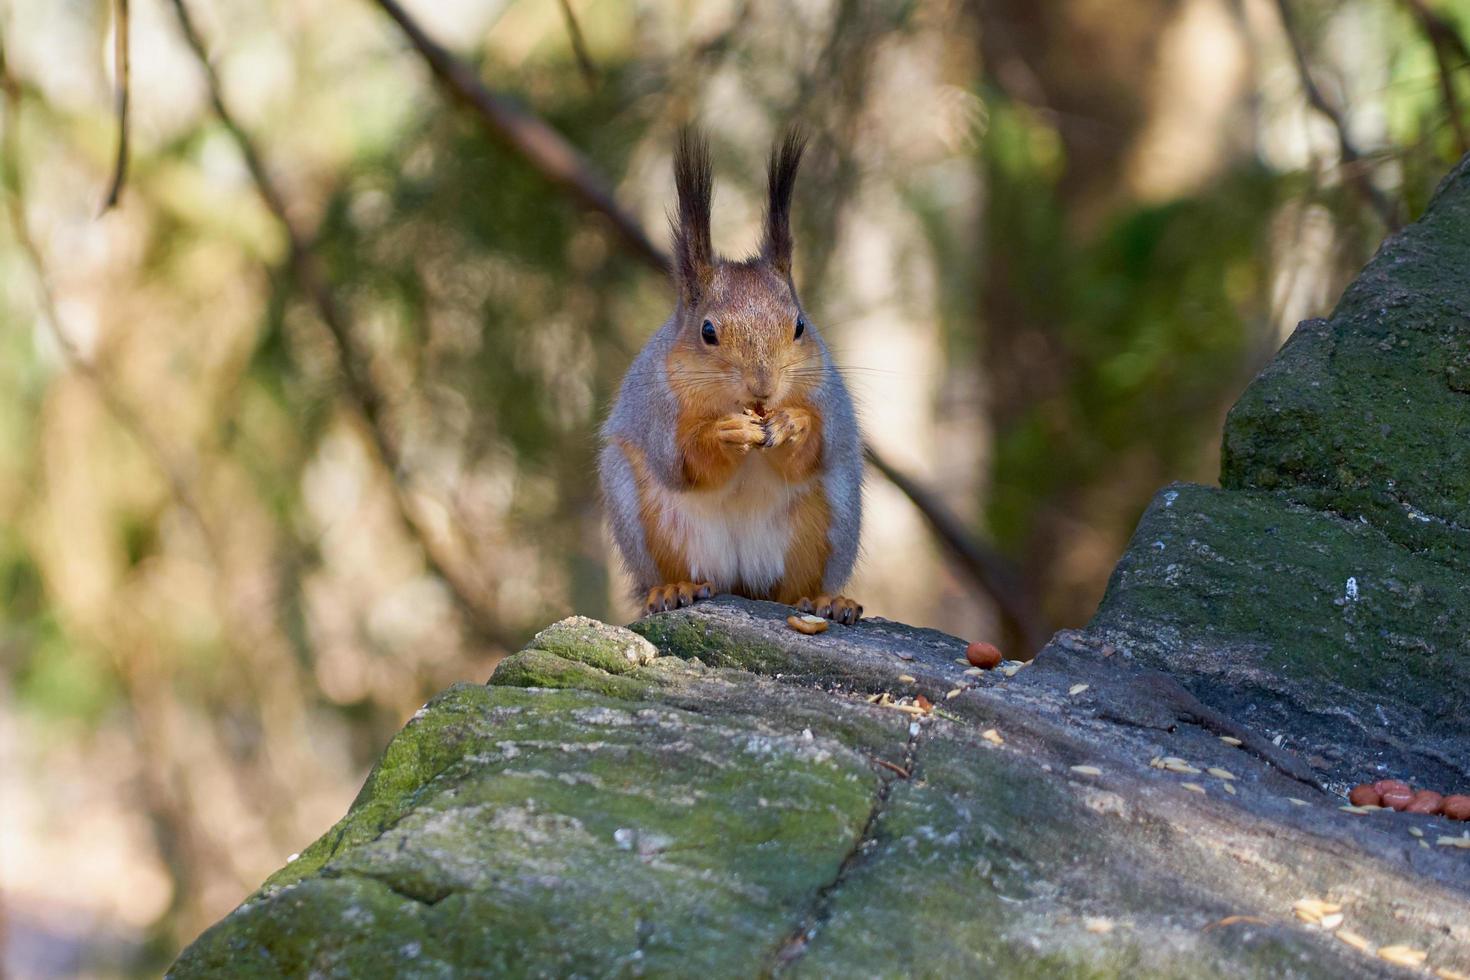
column 743, row 341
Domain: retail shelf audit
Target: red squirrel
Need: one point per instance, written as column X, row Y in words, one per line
column 732, row 460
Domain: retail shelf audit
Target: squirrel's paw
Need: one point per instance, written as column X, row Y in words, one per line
column 676, row 595
column 786, row 427
column 838, row 608
column 741, row 431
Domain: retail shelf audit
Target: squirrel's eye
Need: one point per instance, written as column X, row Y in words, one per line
column 800, row 326
column 708, row 333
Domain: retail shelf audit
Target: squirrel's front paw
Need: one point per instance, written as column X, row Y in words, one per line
column 786, row 426
column 838, row 608
column 741, row 431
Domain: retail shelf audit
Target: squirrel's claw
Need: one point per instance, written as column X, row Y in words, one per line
column 785, row 426
column 838, row 608
column 676, row 595
column 742, row 431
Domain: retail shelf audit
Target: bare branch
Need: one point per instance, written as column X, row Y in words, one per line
column 543, row 147
column 362, row 391
column 565, row 167
column 579, row 44
column 1446, row 42
column 1354, row 167
column 121, row 66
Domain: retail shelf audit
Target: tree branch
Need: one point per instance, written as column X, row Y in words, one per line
column 540, row 145
column 1354, row 167
column 566, row 168
column 1445, row 41
column 121, row 61
column 579, row 44
column 362, row 391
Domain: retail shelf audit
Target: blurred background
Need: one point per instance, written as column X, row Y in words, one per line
column 301, row 430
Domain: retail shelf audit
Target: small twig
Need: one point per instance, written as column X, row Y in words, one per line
column 1354, row 169
column 564, row 166
column 891, row 767
column 120, row 57
column 579, row 44
column 361, row 389
column 1446, row 42
column 543, row 147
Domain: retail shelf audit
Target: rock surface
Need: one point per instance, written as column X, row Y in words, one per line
column 723, row 796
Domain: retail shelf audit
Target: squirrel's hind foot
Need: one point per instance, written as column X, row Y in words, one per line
column 676, row 595
column 838, row 608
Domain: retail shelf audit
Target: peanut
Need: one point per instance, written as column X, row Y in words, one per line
column 1456, row 807
column 1425, row 801
column 1364, row 795
column 1384, row 785
column 983, row 655
column 807, row 624
column 1398, row 799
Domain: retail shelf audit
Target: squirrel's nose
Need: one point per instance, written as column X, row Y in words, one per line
column 759, row 385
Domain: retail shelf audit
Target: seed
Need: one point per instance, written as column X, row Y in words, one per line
column 1179, row 766
column 1331, row 922
column 1314, row 909
column 1230, row 740
column 1077, row 688
column 1087, row 770
column 1463, row 842
column 1456, row 807
column 1416, row 832
column 1194, row 788
column 1229, row 788
column 954, row 693
column 1364, row 795
column 1013, row 670
column 1360, row 810
column 906, row 678
column 1219, row 773
column 962, row 661
column 810, row 625
column 1445, row 974
column 1296, row 802
column 1097, row 924
column 1402, row 955
column 992, row 736
column 1425, row 801
column 874, row 698
column 1384, row 785
column 1352, row 939
column 972, row 671
column 983, row 655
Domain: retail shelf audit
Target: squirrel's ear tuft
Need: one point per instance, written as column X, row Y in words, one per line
column 781, row 180
column 693, row 253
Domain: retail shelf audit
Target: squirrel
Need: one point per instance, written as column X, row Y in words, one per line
column 732, row 459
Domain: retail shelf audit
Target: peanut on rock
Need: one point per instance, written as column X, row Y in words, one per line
column 807, row 624
column 1364, row 795
column 1396, row 798
column 1425, row 801
column 1456, row 807
column 983, row 655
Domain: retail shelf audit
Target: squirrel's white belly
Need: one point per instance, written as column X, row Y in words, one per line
column 737, row 534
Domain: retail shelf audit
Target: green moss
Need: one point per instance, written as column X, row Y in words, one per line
column 1262, row 585
column 538, row 668
column 1368, row 414
column 690, row 637
column 610, row 648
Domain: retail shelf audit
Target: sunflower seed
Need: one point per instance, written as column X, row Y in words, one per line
column 1219, row 773
column 1194, row 788
column 1087, row 770
column 1402, row 955
column 1352, row 939
column 1078, row 688
column 1230, row 740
